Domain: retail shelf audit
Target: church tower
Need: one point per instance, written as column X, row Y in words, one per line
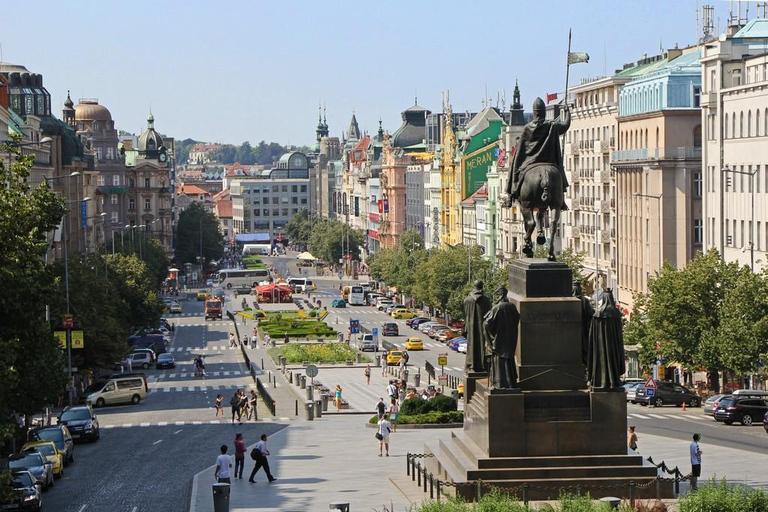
column 68, row 113
column 517, row 118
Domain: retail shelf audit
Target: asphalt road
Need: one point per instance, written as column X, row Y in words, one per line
column 148, row 454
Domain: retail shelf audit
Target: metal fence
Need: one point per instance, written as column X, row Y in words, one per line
column 265, row 396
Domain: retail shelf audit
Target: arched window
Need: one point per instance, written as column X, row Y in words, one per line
column 725, row 127
column 749, row 123
column 757, row 122
column 741, row 124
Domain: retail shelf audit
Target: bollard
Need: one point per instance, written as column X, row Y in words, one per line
column 319, row 408
column 297, row 407
column 274, row 382
column 290, row 377
column 438, row 490
column 262, row 363
column 525, row 494
column 425, row 476
column 418, row 474
column 413, row 469
column 431, row 487
column 378, row 360
column 310, row 410
column 221, row 497
column 325, row 402
column 417, row 379
column 310, row 392
column 632, row 488
column 358, row 357
column 408, row 464
column 303, row 384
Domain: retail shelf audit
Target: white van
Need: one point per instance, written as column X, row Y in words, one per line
column 260, row 249
column 117, row 390
column 365, row 342
column 301, row 285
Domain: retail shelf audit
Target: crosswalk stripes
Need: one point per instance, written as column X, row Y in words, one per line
column 268, row 419
column 232, row 373
column 677, row 416
column 188, row 389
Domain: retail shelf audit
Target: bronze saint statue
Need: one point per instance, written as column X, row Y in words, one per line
column 537, row 178
column 476, row 305
column 605, row 364
column 586, row 318
column 501, row 341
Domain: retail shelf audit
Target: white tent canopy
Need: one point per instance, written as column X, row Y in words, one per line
column 305, row 256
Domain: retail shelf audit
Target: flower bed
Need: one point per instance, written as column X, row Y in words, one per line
column 315, row 353
column 278, row 324
column 253, row 263
column 427, row 418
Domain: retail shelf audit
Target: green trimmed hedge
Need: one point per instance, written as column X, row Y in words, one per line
column 277, row 326
column 417, row 405
column 428, row 418
column 320, row 353
column 253, row 263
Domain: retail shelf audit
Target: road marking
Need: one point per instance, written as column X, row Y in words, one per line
column 144, row 424
column 179, row 423
column 162, row 424
column 156, row 442
column 640, row 416
column 197, row 422
column 659, row 416
column 127, row 425
column 178, row 431
column 82, row 508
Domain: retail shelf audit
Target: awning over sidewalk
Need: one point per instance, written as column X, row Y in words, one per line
column 305, row 256
column 250, row 238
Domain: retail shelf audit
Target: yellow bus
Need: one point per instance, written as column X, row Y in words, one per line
column 345, row 293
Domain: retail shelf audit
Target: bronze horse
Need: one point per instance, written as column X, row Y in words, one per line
column 541, row 189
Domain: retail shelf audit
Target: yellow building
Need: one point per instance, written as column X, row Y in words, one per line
column 450, row 187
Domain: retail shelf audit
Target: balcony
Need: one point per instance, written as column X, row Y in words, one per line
column 572, row 148
column 605, row 177
column 604, row 148
column 678, row 153
column 576, row 231
column 605, row 206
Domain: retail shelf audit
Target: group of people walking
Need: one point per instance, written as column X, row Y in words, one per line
column 223, row 472
column 242, row 405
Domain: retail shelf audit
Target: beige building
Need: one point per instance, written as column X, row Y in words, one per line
column 734, row 72
column 658, row 171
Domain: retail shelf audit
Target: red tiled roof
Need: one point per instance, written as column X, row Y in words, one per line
column 205, row 147
column 193, row 190
column 224, row 208
column 245, row 168
column 221, row 196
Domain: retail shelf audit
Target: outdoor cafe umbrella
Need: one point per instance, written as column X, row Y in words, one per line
column 305, row 256
column 605, row 360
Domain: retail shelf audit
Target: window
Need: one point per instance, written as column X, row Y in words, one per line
column 712, row 81
column 113, row 198
column 116, row 180
column 275, row 200
column 698, row 231
column 265, row 211
column 147, row 183
column 294, row 188
column 285, row 212
column 147, row 204
column 697, row 182
column 741, row 124
column 114, row 218
column 100, row 180
column 295, row 211
column 303, row 188
column 110, row 153
column 295, row 200
column 275, row 189
column 131, row 204
column 275, row 212
column 757, row 123
column 696, row 96
column 285, row 188
column 749, row 123
column 257, row 212
column 98, row 154
column 303, row 200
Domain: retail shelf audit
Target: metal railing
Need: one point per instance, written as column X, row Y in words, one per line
column 265, row 396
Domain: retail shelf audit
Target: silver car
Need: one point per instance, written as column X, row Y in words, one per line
column 711, row 404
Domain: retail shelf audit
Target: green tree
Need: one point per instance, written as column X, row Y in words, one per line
column 31, row 366
column 134, row 283
column 411, row 240
column 244, row 154
column 152, row 254
column 193, row 222
column 299, row 228
column 327, row 239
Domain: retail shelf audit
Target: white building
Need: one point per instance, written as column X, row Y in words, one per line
column 734, row 104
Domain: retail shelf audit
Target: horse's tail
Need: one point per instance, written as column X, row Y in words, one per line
column 545, row 186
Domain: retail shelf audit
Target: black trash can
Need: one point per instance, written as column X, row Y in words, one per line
column 319, row 408
column 310, row 407
column 221, row 497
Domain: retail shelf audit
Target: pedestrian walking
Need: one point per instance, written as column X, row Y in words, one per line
column 381, row 408
column 219, row 407
column 239, row 455
column 245, row 409
column 202, row 365
column 232, row 340
column 382, row 434
column 632, row 439
column 383, row 359
column 252, row 406
column 394, row 413
column 260, row 454
column 392, row 390
column 695, row 462
column 234, row 402
column 367, row 373
column 223, row 463
column 267, row 340
column 128, row 364
column 255, row 340
column 338, row 398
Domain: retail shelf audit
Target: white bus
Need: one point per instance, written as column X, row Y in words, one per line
column 356, row 296
column 261, row 249
column 234, row 278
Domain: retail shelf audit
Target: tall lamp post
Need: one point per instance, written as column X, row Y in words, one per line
column 751, row 175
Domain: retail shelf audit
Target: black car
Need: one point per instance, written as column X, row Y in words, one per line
column 81, row 422
column 765, row 422
column 666, row 393
column 165, row 361
column 26, row 493
column 743, row 410
column 390, row 329
column 35, row 463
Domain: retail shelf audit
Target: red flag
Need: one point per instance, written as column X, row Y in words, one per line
column 551, row 97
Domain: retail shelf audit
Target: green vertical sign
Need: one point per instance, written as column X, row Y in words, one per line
column 474, row 169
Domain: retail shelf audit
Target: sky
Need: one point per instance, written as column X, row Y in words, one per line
column 230, row 71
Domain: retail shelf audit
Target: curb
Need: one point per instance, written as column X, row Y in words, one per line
column 421, row 426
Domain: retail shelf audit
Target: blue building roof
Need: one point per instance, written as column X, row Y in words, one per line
column 755, row 29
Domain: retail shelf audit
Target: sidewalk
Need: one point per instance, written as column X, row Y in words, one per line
column 335, row 459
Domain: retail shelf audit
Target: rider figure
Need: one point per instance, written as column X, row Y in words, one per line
column 539, row 144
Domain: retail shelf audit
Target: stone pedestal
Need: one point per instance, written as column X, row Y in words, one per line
column 552, row 433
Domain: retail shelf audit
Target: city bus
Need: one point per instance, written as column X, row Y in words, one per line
column 235, row 278
column 356, row 296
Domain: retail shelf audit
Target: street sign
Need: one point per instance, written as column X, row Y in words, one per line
column 354, row 326
column 442, row 380
column 67, row 321
column 442, row 359
column 650, row 391
column 375, row 331
column 77, row 339
column 311, row 371
column 650, row 383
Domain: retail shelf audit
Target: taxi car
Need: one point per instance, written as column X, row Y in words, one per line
column 49, row 450
column 202, row 295
column 175, row 307
column 394, row 357
column 414, row 344
column 403, row 313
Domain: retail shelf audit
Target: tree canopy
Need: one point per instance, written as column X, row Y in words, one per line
column 299, row 228
column 188, row 245
column 326, row 240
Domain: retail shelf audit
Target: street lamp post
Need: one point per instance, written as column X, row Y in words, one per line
column 15, row 144
column 751, row 175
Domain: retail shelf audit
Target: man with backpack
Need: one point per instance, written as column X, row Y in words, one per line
column 259, row 454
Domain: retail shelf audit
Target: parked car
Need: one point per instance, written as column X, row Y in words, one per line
column 455, row 342
column 394, row 357
column 667, row 393
column 382, row 303
column 403, row 313
column 338, row 303
column 426, row 326
column 743, row 410
column 165, row 323
column 175, row 307
column 121, row 389
column 34, row 462
column 25, row 491
column 447, row 334
column 390, row 329
column 414, row 344
column 416, row 320
column 60, row 435
column 141, row 358
column 165, row 361
column 81, row 422
column 710, row 406
column 432, row 333
column 49, row 450
column 462, row 346
column 167, row 303
column 630, row 390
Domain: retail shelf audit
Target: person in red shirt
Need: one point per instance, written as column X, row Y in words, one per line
column 239, row 455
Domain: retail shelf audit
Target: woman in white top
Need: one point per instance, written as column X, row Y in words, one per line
column 383, row 435
column 394, row 413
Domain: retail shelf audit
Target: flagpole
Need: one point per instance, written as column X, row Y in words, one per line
column 565, row 99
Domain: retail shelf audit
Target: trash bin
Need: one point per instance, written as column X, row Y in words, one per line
column 417, row 379
column 310, row 393
column 325, row 402
column 221, row 497
column 303, row 383
column 310, row 406
column 319, row 408
column 378, row 360
column 358, row 357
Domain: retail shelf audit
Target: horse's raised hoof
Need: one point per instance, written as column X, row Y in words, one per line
column 541, row 239
column 551, row 257
column 528, row 251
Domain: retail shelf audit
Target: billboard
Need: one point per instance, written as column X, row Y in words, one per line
column 475, row 167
